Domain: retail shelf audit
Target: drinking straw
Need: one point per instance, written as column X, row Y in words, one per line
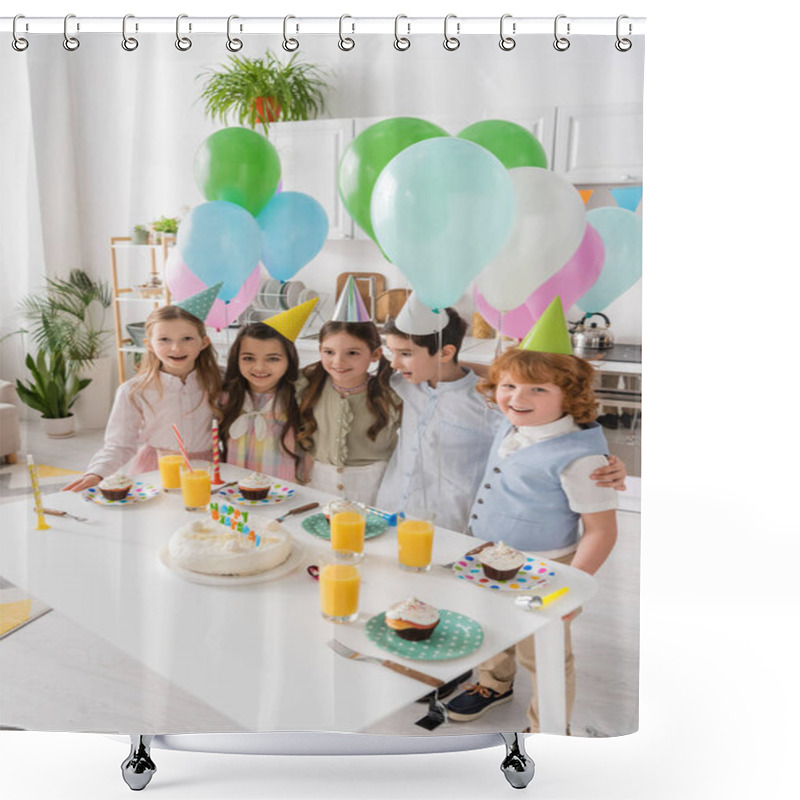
column 183, row 449
column 41, row 525
column 216, row 479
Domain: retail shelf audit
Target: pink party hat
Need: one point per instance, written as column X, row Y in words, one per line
column 549, row 333
column 350, row 307
column 199, row 305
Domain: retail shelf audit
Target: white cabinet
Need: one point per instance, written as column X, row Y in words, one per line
column 310, row 152
column 599, row 144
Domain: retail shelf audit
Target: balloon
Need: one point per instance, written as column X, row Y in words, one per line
column 237, row 165
column 442, row 209
column 183, row 282
column 548, row 228
column 514, row 145
column 367, row 155
column 570, row 282
column 621, row 232
column 294, row 226
column 220, row 242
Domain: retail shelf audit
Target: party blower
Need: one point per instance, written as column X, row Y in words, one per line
column 481, row 190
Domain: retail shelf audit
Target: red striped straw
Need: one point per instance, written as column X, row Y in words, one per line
column 183, row 449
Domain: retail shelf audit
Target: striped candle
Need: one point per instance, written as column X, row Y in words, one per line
column 41, row 525
column 216, row 479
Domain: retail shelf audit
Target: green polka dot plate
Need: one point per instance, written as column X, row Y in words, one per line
column 317, row 525
column 454, row 637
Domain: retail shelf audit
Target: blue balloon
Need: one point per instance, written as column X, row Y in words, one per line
column 294, row 227
column 220, row 241
column 621, row 232
column 441, row 211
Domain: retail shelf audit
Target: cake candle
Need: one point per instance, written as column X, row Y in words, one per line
column 41, row 525
column 216, row 480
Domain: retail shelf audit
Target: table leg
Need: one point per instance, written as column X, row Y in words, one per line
column 138, row 768
column 550, row 680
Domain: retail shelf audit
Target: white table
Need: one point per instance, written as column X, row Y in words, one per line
column 258, row 653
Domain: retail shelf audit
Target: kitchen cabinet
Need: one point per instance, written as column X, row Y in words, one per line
column 599, row 143
column 310, row 152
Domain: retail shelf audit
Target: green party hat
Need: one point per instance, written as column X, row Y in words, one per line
column 199, row 305
column 549, row 333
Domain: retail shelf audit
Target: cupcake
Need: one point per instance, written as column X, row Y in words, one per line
column 115, row 487
column 255, row 486
column 412, row 619
column 500, row 562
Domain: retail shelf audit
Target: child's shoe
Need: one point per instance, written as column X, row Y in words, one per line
column 475, row 701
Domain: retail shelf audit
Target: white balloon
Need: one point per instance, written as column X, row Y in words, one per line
column 548, row 229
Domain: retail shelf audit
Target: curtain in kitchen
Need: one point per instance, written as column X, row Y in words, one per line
column 298, row 179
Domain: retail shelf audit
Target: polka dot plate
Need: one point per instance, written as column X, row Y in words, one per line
column 140, row 493
column 454, row 637
column 317, row 525
column 277, row 494
column 533, row 574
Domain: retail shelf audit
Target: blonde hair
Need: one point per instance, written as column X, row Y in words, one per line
column 208, row 373
column 571, row 374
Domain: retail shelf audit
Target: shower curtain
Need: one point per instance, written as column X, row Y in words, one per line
column 504, row 182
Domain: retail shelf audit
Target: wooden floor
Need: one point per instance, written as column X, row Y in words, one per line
column 605, row 637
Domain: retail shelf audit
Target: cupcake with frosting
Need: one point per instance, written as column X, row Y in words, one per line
column 500, row 562
column 115, row 487
column 255, row 486
column 412, row 619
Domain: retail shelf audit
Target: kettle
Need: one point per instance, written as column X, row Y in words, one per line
column 587, row 336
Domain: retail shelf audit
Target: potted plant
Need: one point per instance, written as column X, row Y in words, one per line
column 52, row 392
column 140, row 234
column 165, row 225
column 257, row 91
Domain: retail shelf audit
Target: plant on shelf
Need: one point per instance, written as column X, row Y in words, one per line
column 69, row 318
column 165, row 225
column 53, row 390
column 256, row 91
column 140, row 234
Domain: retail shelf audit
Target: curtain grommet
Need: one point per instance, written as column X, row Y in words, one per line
column 451, row 43
column 182, row 43
column 507, row 43
column 129, row 43
column 70, row 43
column 19, row 43
column 346, row 43
column 561, row 43
column 401, row 43
column 623, row 44
column 289, row 44
column 233, row 44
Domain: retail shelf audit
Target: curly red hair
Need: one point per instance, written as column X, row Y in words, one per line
column 571, row 374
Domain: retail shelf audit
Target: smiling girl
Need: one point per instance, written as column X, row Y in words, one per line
column 178, row 383
column 260, row 417
column 349, row 414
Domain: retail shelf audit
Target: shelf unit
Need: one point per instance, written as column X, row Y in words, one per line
column 124, row 294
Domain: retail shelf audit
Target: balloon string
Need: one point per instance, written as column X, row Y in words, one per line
column 499, row 347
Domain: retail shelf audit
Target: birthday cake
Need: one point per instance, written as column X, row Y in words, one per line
column 207, row 547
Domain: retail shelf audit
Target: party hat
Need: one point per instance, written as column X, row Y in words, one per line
column 549, row 334
column 350, row 307
column 199, row 305
column 290, row 323
column 416, row 319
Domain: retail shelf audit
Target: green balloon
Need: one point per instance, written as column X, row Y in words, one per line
column 238, row 165
column 511, row 143
column 367, row 155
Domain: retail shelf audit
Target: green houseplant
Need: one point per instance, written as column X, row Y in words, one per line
column 257, row 91
column 140, row 234
column 165, row 225
column 53, row 391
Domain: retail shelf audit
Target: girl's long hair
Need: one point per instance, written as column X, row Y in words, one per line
column 380, row 400
column 208, row 373
column 235, row 388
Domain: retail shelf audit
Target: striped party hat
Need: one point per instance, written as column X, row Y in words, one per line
column 350, row 307
column 290, row 323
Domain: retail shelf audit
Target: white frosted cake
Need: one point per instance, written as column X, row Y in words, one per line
column 206, row 546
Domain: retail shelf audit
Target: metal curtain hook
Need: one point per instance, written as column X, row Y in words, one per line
column 623, row 45
column 19, row 43
column 561, row 43
column 451, row 42
column 401, row 42
column 290, row 44
column 128, row 42
column 70, row 42
column 183, row 43
column 507, row 42
column 346, row 42
column 234, row 45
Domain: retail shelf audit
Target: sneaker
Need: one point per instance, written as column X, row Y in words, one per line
column 448, row 688
column 475, row 701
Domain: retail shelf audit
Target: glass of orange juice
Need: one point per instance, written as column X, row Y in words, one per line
column 348, row 523
column 415, row 543
column 195, row 486
column 169, row 465
column 339, row 585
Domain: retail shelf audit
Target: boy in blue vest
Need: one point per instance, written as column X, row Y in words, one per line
column 537, row 492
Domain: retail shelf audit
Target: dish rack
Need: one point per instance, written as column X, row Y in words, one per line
column 273, row 297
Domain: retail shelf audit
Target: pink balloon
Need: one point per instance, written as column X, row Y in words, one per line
column 183, row 283
column 571, row 282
